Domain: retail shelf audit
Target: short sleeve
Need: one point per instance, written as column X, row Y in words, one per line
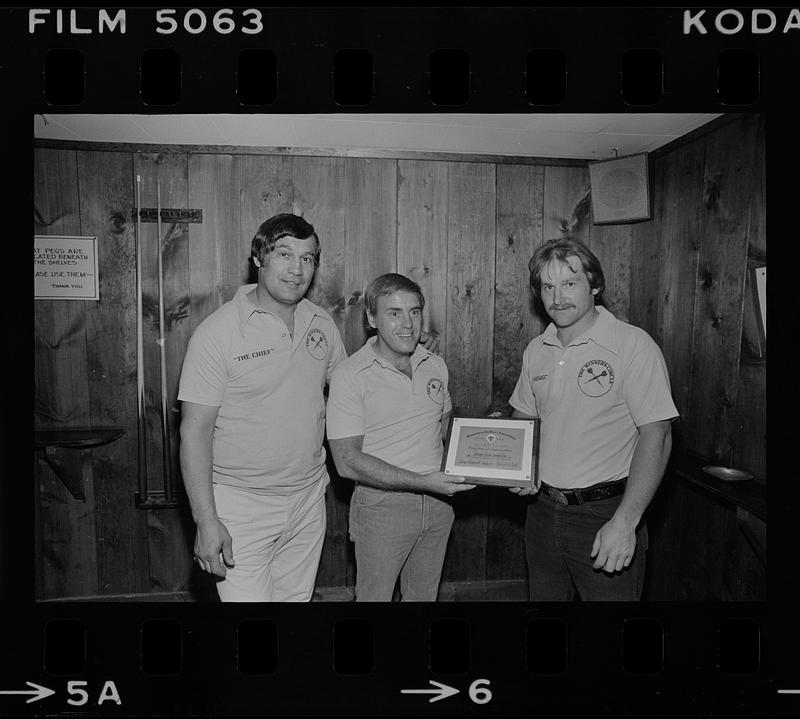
column 345, row 413
column 522, row 398
column 204, row 374
column 338, row 353
column 447, row 406
column 646, row 386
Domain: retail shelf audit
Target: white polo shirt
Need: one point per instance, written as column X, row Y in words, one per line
column 269, row 390
column 591, row 396
column 399, row 417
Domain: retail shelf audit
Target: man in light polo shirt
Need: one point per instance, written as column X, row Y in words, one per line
column 253, row 421
column 387, row 412
column 601, row 389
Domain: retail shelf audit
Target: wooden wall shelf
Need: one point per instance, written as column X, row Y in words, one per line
column 750, row 495
column 71, row 467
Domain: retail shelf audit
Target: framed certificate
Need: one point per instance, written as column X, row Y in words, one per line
column 502, row 452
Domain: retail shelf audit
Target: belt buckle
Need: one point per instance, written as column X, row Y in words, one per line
column 602, row 492
column 560, row 498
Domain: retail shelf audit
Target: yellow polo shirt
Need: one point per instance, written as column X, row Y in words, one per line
column 591, row 396
column 269, row 390
column 399, row 417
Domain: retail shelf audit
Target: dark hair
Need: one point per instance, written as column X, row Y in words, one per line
column 276, row 227
column 386, row 285
column 560, row 250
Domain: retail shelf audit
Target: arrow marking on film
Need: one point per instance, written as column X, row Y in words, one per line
column 38, row 692
column 442, row 691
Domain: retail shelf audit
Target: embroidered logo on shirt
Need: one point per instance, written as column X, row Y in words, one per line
column 596, row 378
column 436, row 390
column 539, row 378
column 317, row 343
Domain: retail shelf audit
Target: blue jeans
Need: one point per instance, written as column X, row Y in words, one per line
column 558, row 544
column 398, row 534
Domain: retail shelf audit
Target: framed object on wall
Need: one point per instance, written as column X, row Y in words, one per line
column 754, row 317
column 758, row 279
column 620, row 190
column 65, row 268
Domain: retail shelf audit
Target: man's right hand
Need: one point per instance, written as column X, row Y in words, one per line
column 522, row 491
column 441, row 483
column 213, row 547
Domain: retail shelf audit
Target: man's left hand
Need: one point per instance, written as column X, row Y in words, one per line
column 613, row 546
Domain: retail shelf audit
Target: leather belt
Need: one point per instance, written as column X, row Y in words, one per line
column 604, row 490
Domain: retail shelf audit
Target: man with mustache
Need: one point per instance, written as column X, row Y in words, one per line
column 253, row 423
column 387, row 413
column 601, row 389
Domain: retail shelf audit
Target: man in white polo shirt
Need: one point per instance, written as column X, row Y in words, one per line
column 253, row 422
column 601, row 389
column 387, row 412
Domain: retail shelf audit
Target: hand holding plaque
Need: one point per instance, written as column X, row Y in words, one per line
column 502, row 452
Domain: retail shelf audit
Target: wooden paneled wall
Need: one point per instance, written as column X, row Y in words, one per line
column 463, row 230
column 690, row 291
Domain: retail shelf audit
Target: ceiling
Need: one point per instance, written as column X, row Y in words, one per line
column 580, row 136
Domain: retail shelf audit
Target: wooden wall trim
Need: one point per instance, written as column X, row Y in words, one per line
column 367, row 153
column 712, row 126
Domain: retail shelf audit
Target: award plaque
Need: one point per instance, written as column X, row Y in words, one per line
column 502, row 452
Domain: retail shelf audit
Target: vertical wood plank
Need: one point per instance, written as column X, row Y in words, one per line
column 222, row 217
column 746, row 576
column 718, row 308
column 612, row 245
column 266, row 190
column 422, row 236
column 645, row 249
column 319, row 196
column 471, row 208
column 750, row 426
column 60, row 345
column 106, row 199
column 206, row 279
column 68, row 537
column 518, row 233
column 567, row 203
column 681, row 207
column 370, row 236
column 470, row 284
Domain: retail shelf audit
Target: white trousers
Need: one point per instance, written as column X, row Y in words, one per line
column 277, row 543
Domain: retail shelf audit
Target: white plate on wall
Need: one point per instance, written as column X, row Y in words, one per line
column 729, row 474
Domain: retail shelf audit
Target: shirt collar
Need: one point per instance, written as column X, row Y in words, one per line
column 304, row 311
column 370, row 356
column 603, row 332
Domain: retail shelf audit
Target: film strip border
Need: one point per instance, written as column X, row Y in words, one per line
column 403, row 59
column 360, row 659
column 699, row 659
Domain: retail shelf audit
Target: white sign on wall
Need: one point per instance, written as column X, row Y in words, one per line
column 761, row 287
column 65, row 268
